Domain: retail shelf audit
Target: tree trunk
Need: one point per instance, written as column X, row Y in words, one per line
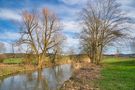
column 40, row 62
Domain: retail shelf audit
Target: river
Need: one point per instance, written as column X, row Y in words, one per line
column 47, row 79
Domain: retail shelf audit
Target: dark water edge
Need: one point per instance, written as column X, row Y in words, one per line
column 47, row 79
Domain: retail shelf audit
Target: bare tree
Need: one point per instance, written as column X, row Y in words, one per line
column 13, row 49
column 39, row 33
column 2, row 47
column 2, row 50
column 103, row 23
column 57, row 49
column 132, row 45
column 71, row 53
column 117, row 52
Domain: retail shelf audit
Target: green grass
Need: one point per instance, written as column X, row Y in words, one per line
column 13, row 61
column 118, row 74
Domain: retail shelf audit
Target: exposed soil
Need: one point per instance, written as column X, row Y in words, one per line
column 83, row 78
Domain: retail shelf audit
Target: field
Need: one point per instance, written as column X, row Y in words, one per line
column 13, row 61
column 118, row 74
column 115, row 74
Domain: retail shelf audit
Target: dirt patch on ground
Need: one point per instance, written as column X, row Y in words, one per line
column 83, row 78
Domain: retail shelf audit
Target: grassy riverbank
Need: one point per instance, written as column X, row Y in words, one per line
column 6, row 69
column 11, row 66
column 114, row 74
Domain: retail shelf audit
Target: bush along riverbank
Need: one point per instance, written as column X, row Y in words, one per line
column 9, row 69
column 83, row 78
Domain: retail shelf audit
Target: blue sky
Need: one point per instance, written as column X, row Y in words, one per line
column 67, row 10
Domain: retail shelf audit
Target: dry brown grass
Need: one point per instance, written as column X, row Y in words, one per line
column 2, row 57
column 6, row 69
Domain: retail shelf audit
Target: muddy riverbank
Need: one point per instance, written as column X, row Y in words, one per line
column 84, row 78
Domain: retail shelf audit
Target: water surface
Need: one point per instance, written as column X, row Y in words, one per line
column 47, row 79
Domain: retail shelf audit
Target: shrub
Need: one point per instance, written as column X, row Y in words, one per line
column 2, row 57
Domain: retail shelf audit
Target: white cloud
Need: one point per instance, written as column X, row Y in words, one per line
column 68, row 17
column 82, row 2
column 9, row 36
column 72, row 2
column 71, row 26
column 7, row 46
column 63, row 11
column 124, row 2
column 10, row 14
column 71, row 41
column 17, row 49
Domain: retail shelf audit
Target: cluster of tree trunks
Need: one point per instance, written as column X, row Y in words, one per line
column 103, row 23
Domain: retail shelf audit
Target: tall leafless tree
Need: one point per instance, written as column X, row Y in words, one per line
column 103, row 23
column 2, row 47
column 57, row 49
column 39, row 33
column 132, row 45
